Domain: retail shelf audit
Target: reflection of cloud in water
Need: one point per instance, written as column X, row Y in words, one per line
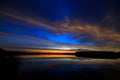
column 68, row 68
column 53, row 62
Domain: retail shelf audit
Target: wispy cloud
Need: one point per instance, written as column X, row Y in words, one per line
column 70, row 33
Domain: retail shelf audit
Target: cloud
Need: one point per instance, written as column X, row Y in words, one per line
column 69, row 33
column 13, row 40
column 27, row 20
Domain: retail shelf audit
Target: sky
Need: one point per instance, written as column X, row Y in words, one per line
column 60, row 24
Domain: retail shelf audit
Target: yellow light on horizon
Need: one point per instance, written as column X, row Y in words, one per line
column 51, row 51
column 41, row 51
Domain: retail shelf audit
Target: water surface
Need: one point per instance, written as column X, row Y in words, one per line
column 68, row 68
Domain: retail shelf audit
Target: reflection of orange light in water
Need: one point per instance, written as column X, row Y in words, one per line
column 47, row 53
column 40, row 56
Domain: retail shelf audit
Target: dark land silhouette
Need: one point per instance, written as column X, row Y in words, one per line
column 86, row 54
column 8, row 66
column 98, row 54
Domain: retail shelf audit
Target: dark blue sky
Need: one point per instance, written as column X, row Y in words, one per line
column 88, row 10
column 83, row 24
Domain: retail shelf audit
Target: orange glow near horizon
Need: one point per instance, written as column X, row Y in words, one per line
column 45, row 56
column 45, row 53
column 52, row 51
column 42, row 51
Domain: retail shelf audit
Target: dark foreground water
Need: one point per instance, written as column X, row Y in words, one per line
column 63, row 69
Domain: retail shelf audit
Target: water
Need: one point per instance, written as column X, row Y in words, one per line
column 68, row 69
